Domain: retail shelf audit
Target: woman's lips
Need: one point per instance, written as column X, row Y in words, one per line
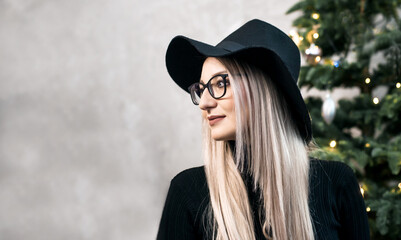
column 214, row 119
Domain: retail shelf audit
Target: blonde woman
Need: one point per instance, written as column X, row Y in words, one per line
column 258, row 181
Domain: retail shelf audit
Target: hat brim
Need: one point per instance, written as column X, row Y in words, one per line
column 185, row 57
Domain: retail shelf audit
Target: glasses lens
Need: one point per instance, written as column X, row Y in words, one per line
column 217, row 86
column 196, row 93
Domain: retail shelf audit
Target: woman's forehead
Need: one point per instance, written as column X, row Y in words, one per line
column 210, row 68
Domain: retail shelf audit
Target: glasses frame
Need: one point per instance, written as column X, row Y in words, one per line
column 209, row 87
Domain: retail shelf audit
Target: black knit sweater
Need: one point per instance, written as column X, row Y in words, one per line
column 336, row 205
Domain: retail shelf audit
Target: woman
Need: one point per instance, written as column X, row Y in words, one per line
column 258, row 181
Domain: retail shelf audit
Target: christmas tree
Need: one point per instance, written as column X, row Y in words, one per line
column 357, row 44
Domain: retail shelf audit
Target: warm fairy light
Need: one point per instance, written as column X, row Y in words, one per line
column 399, row 185
column 317, row 59
column 316, row 35
column 375, row 100
column 398, row 85
column 313, row 50
column 362, row 191
column 368, row 209
column 293, row 32
column 367, row 80
column 333, row 144
column 315, row 16
column 367, row 145
column 301, row 38
column 295, row 37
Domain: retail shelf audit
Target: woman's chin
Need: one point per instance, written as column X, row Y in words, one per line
column 223, row 137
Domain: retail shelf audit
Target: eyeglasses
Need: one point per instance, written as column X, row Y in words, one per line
column 217, row 87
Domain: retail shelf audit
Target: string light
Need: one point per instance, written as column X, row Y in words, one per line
column 399, row 185
column 295, row 37
column 315, row 16
column 336, row 64
column 333, row 144
column 367, row 145
column 368, row 209
column 367, row 80
column 398, row 85
column 317, row 59
column 362, row 192
column 376, row 100
column 316, row 35
column 313, row 50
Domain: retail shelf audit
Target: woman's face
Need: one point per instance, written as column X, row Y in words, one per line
column 219, row 113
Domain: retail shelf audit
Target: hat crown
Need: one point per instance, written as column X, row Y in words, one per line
column 257, row 33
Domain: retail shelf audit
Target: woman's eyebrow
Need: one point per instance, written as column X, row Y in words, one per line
column 220, row 72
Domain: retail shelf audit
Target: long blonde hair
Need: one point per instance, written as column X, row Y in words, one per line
column 268, row 148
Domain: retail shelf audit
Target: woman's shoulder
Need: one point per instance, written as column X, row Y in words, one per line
column 332, row 166
column 191, row 180
column 186, row 201
column 336, row 202
column 190, row 175
column 337, row 173
column 326, row 164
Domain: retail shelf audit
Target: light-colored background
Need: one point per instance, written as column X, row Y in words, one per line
column 92, row 129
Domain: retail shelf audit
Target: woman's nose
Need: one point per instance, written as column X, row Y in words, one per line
column 207, row 101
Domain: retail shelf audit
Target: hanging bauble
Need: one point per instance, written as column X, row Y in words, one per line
column 328, row 109
column 313, row 54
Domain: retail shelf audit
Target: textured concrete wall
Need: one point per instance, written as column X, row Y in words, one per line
column 92, row 129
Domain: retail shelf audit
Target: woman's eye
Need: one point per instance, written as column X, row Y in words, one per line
column 220, row 84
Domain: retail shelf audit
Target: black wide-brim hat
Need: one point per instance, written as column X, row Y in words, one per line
column 256, row 42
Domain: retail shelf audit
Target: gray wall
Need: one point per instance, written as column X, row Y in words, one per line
column 92, row 129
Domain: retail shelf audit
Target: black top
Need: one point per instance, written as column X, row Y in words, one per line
column 336, row 204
